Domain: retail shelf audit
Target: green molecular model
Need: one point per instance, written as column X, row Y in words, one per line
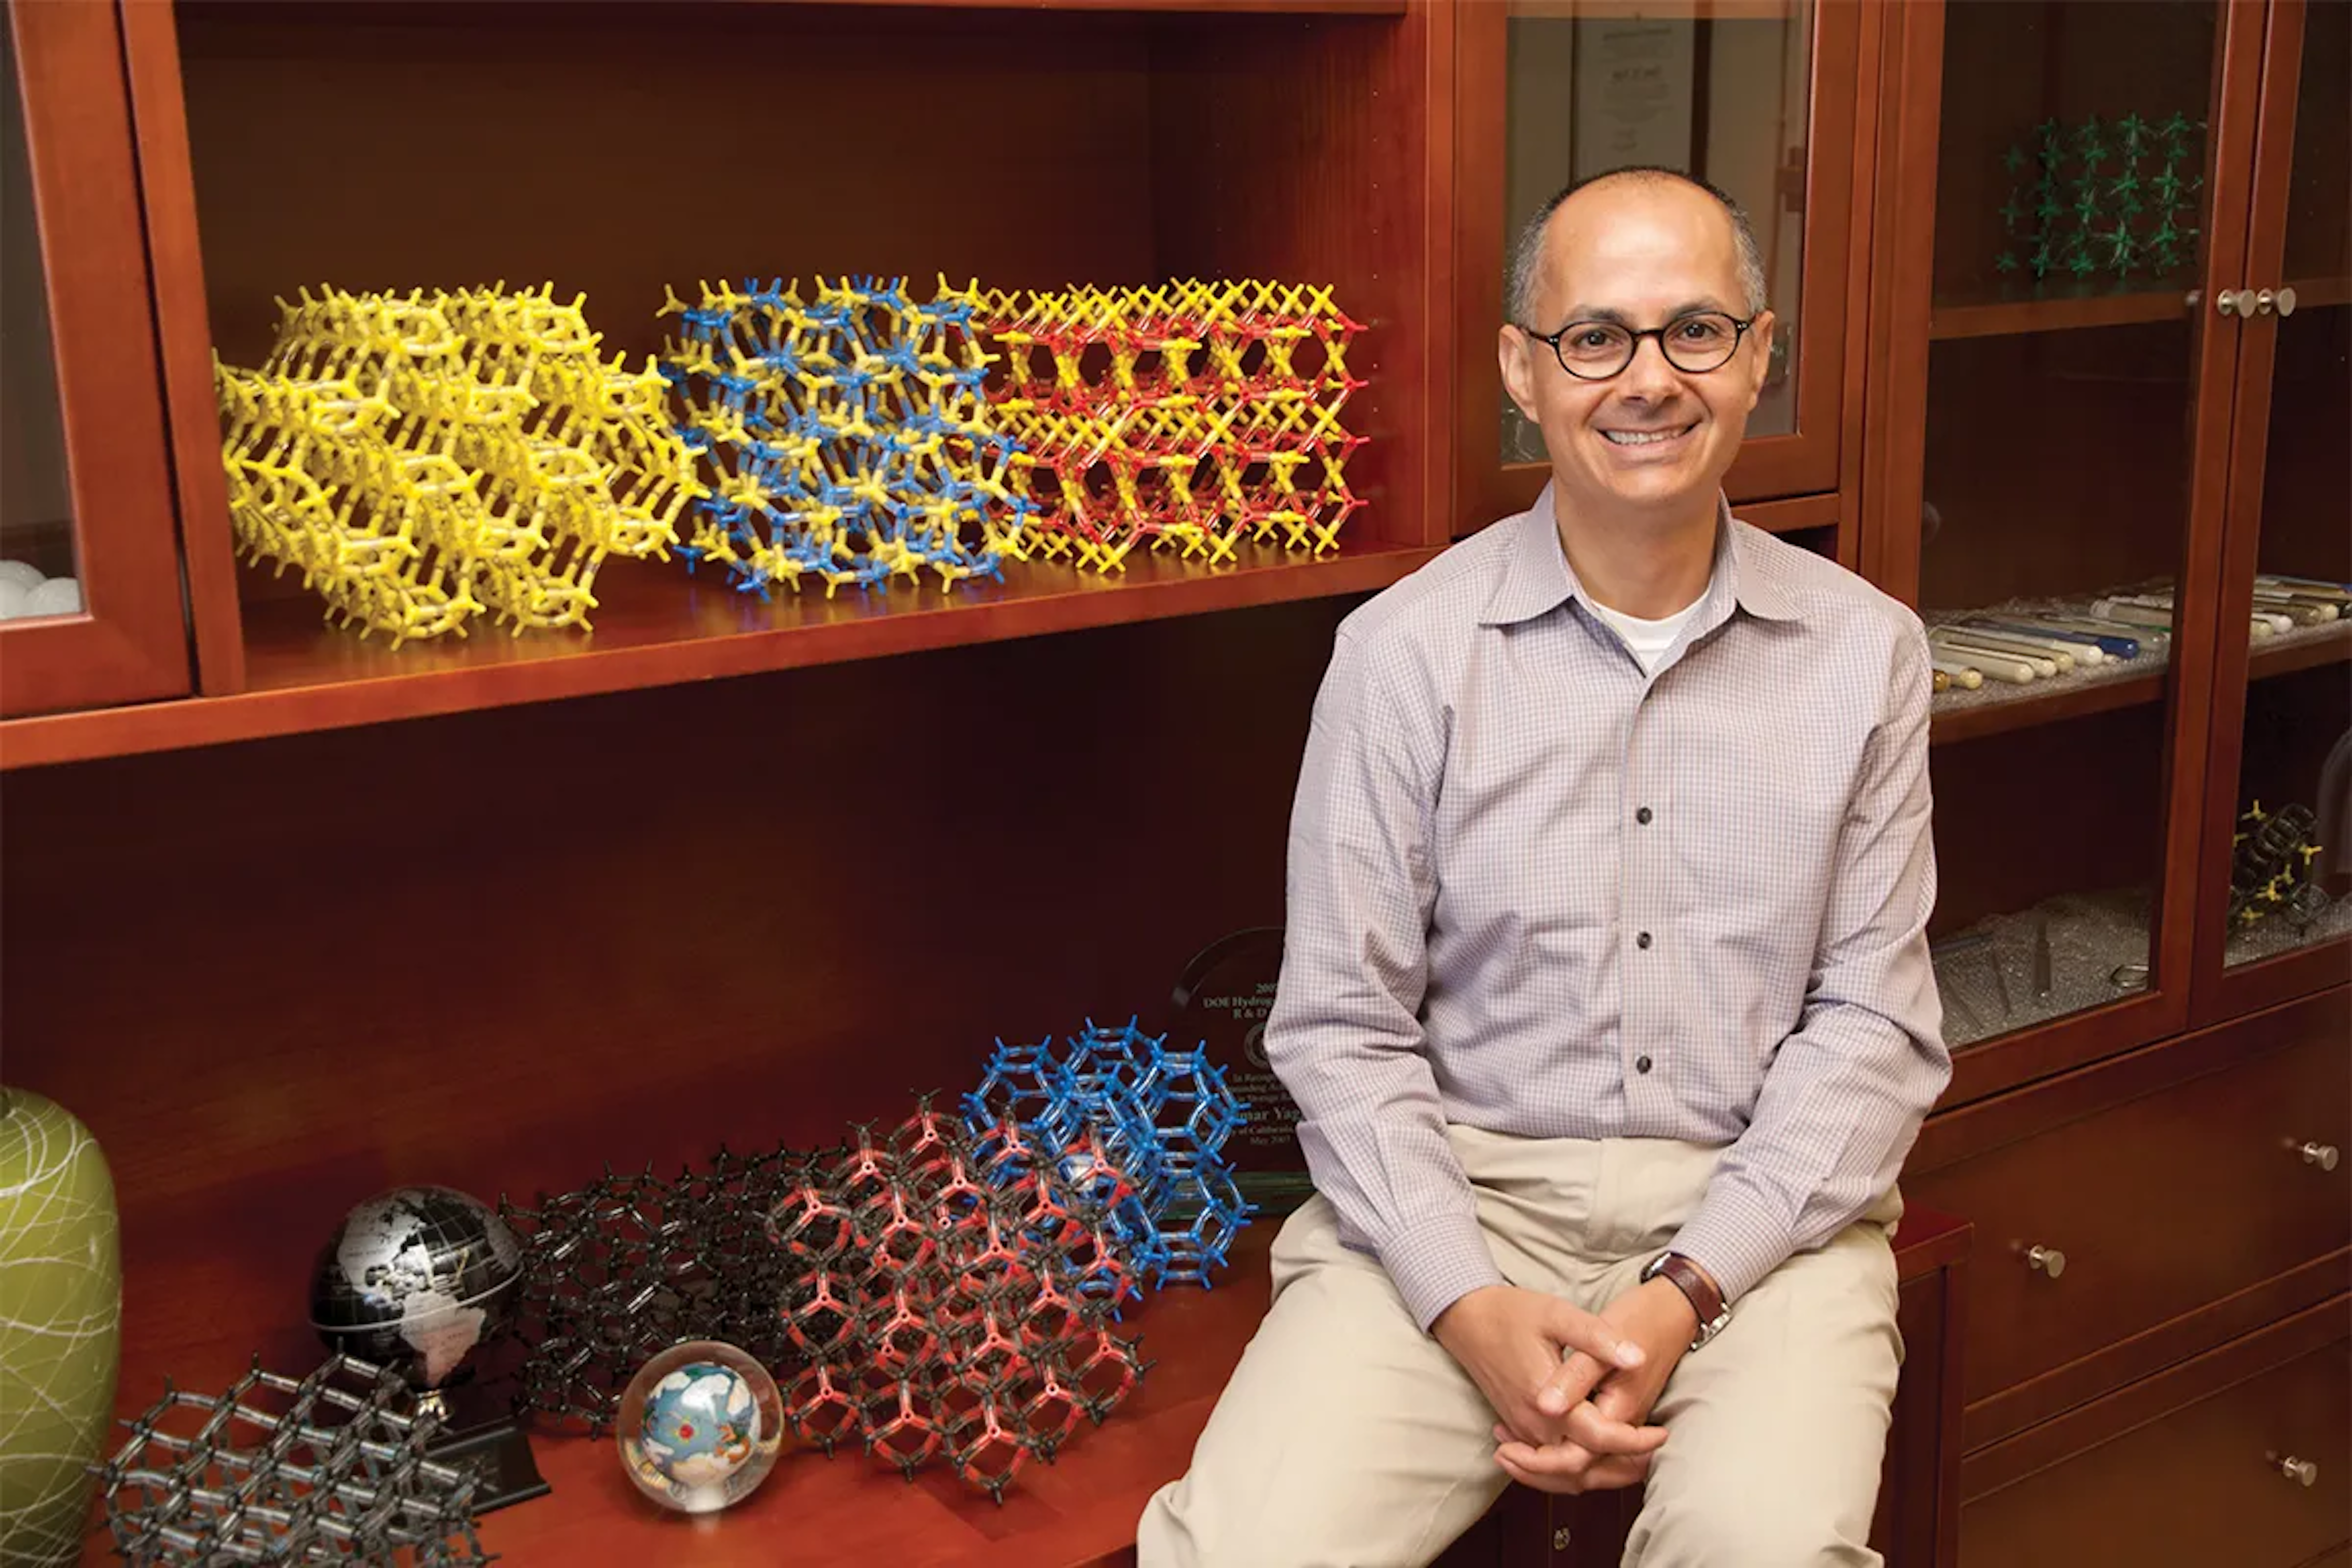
column 2103, row 198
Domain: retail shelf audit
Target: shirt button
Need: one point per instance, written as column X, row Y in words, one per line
column 1641, row 1063
column 1643, row 940
column 1643, row 816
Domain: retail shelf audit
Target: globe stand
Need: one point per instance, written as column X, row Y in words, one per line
column 490, row 1448
column 422, row 1281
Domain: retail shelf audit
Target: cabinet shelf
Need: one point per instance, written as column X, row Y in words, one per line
column 1080, row 1510
column 2302, row 649
column 2033, row 706
column 657, row 625
column 1291, row 7
column 2069, row 309
column 2064, row 310
column 2080, row 696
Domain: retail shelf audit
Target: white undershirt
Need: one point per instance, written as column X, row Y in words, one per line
column 1648, row 640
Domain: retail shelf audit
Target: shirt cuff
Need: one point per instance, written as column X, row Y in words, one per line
column 1734, row 1239
column 1437, row 1262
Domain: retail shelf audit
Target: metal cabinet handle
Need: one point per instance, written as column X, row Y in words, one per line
column 2320, row 1154
column 2046, row 1260
column 2234, row 301
column 2286, row 298
column 2302, row 1472
column 2263, row 302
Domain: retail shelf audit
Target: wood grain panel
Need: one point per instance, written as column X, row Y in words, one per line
column 2146, row 1234
column 497, row 950
column 657, row 626
column 129, row 643
column 2008, row 66
column 1286, row 149
column 608, row 155
column 184, row 342
column 2032, row 815
column 2180, row 1471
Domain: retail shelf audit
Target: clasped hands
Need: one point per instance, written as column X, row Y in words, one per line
column 1571, row 1389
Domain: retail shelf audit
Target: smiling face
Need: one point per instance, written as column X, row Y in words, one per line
column 1651, row 442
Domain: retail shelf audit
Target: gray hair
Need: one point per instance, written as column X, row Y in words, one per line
column 1527, row 253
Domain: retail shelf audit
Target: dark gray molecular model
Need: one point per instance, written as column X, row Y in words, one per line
column 328, row 1468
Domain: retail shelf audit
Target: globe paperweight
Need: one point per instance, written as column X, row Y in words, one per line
column 419, row 1279
column 700, row 1426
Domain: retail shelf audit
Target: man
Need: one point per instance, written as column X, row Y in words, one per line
column 1606, row 999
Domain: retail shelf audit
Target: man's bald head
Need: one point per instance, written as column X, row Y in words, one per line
column 1526, row 255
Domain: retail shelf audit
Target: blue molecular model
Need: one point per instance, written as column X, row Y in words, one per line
column 1159, row 1118
column 845, row 440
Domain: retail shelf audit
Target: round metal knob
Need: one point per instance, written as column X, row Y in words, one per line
column 2046, row 1260
column 2320, row 1154
column 2287, row 301
column 2302, row 1472
column 2234, row 301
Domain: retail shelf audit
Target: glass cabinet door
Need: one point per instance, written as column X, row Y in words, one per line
column 2068, row 510
column 2278, row 827
column 1757, row 97
column 89, row 585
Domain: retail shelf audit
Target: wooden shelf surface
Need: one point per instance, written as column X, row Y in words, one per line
column 2051, row 703
column 2032, row 705
column 2056, row 309
column 847, row 1511
column 1279, row 7
column 2067, row 308
column 2300, row 651
column 657, row 626
column 2312, row 293
column 814, row 1510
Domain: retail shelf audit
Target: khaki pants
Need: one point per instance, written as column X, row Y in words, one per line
column 1349, row 1438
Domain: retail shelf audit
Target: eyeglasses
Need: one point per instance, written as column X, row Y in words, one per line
column 1595, row 350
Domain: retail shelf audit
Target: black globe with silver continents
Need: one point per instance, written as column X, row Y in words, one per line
column 416, row 1278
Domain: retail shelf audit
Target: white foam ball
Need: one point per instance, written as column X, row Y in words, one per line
column 57, row 597
column 23, row 574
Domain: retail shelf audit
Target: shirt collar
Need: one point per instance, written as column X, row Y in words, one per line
column 1537, row 576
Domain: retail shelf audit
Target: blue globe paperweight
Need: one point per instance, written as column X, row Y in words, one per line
column 700, row 1426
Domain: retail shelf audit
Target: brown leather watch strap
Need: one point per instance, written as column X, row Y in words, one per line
column 1704, row 1298
column 1706, row 1301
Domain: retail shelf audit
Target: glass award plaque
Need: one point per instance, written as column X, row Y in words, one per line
column 1221, row 1000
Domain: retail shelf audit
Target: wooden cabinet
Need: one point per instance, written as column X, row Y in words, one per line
column 1771, row 101
column 2085, row 401
column 2073, row 197
column 90, row 608
column 2272, row 918
column 2035, row 361
column 2140, row 1066
column 2147, row 1192
column 1096, row 143
column 2240, row 1456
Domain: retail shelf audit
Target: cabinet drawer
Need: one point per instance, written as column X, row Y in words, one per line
column 2159, row 1205
column 2199, row 1484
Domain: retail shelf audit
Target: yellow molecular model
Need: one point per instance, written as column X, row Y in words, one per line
column 424, row 457
column 1193, row 414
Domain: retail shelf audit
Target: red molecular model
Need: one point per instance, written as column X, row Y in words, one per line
column 949, row 1308
column 1191, row 415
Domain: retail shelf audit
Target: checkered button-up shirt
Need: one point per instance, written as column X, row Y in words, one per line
column 1536, row 890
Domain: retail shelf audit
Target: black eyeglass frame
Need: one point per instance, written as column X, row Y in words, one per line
column 1633, row 341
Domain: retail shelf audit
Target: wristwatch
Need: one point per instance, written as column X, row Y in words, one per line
column 1704, row 1298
